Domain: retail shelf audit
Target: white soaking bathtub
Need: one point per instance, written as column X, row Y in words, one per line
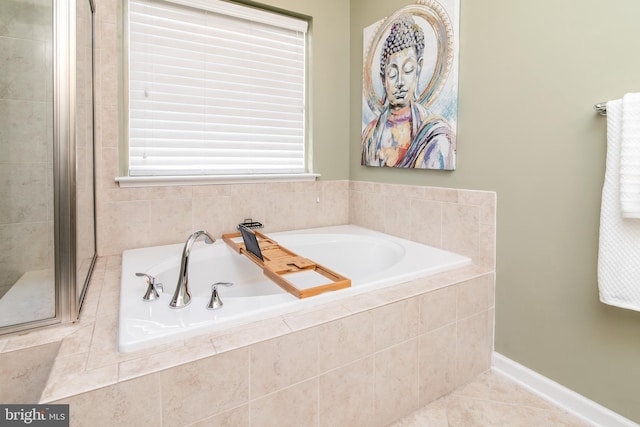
column 370, row 259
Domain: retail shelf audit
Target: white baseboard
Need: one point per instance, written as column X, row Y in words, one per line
column 562, row 397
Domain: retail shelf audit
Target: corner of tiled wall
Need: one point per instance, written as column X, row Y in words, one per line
column 462, row 221
column 106, row 52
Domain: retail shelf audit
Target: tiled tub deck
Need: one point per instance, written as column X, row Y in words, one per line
column 364, row 360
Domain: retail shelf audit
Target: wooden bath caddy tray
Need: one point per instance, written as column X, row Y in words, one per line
column 295, row 274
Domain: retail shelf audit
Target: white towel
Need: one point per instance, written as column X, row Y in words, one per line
column 619, row 250
column 630, row 157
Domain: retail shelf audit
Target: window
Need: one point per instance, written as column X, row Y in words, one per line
column 215, row 88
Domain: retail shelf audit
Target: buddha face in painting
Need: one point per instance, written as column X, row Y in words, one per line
column 401, row 77
column 401, row 61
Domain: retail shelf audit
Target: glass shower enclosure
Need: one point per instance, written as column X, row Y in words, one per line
column 47, row 190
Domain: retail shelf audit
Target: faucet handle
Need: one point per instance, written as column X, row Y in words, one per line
column 215, row 302
column 153, row 290
column 225, row 284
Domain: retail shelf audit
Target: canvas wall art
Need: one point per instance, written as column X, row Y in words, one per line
column 410, row 87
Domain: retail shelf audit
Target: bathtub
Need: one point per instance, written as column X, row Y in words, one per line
column 370, row 259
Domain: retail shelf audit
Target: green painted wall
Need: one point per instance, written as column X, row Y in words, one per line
column 530, row 72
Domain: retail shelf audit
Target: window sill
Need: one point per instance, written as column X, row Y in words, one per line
column 163, row 181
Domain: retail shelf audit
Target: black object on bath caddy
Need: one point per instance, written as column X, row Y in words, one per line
column 250, row 241
column 250, row 224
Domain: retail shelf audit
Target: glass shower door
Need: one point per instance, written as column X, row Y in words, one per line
column 27, row 286
column 47, row 191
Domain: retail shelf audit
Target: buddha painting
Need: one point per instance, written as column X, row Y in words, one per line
column 410, row 105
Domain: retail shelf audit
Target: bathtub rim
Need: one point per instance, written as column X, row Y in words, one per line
column 283, row 308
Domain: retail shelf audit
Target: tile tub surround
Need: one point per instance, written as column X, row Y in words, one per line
column 462, row 221
column 344, row 363
column 348, row 359
column 307, row 365
column 165, row 215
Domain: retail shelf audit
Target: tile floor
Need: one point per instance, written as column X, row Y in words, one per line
column 490, row 401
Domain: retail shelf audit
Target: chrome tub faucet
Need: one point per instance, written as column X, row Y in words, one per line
column 181, row 296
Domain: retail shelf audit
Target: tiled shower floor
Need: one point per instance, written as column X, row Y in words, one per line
column 490, row 401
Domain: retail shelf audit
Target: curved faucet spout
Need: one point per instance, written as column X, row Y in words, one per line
column 182, row 297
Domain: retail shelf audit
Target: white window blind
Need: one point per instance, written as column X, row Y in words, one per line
column 215, row 89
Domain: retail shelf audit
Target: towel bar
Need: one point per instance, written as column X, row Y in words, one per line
column 601, row 108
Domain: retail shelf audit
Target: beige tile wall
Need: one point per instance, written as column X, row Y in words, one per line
column 141, row 217
column 367, row 368
column 462, row 221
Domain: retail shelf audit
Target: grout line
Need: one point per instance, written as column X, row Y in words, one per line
column 248, row 403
